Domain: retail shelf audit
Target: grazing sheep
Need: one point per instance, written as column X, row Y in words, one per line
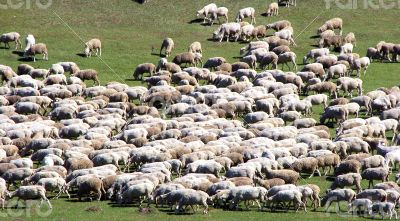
column 338, row 195
column 292, row 195
column 168, row 45
column 227, row 30
column 273, row 9
column 348, row 179
column 373, row 54
column 350, row 38
column 88, row 74
column 195, row 47
column 347, row 85
column 315, row 53
column 209, row 9
column 373, row 194
column 188, row 58
column 279, row 25
column 39, row 48
column 360, row 63
column 357, row 204
column 91, row 45
column 348, row 166
column 287, row 57
column 308, row 164
column 221, row 12
column 332, row 24
column 289, row 176
column 347, row 48
column 244, row 13
column 335, row 41
column 30, row 193
column 378, row 173
column 384, row 208
column 144, row 68
column 9, row 37
column 24, row 69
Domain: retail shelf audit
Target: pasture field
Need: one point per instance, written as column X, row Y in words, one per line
column 129, row 31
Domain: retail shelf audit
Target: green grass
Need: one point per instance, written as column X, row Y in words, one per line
column 129, row 31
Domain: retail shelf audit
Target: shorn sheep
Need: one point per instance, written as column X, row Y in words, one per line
column 245, row 13
column 39, row 48
column 91, row 45
column 11, row 37
column 168, row 45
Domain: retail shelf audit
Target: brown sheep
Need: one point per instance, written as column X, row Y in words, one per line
column 35, row 49
column 88, row 74
column 322, row 87
column 188, row 58
column 327, row 42
column 240, row 65
column 281, row 49
column 168, row 45
column 144, row 68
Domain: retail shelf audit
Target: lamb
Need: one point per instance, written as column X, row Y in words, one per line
column 209, row 9
column 292, row 195
column 287, row 57
column 279, row 25
column 332, row 24
column 29, row 41
column 315, row 53
column 30, row 193
column 358, row 203
column 144, row 68
column 168, row 45
column 378, row 173
column 348, row 179
column 9, row 37
column 91, row 45
column 244, row 13
column 347, row 48
column 384, row 208
column 273, row 9
column 308, row 164
column 337, row 196
column 88, row 74
column 188, row 58
column 39, row 48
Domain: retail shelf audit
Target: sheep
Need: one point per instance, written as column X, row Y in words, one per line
column 348, row 166
column 144, row 68
column 29, row 41
column 360, row 63
column 30, row 193
column 52, row 184
column 281, row 49
column 346, row 48
column 24, row 69
column 373, row 54
column 316, row 68
column 304, row 123
column 350, row 38
column 373, row 161
column 348, row 179
column 269, row 58
column 9, row 37
column 141, row 190
column 335, row 41
column 287, row 35
column 188, row 58
column 279, row 25
column 373, row 194
column 93, row 44
column 36, row 73
column 190, row 197
column 338, row 69
column 88, row 74
column 258, row 31
column 337, row 196
column 251, row 60
column 384, row 208
column 292, row 195
column 332, row 24
column 378, row 173
column 167, row 44
column 244, row 13
column 273, row 9
column 315, row 53
column 348, row 84
column 221, row 12
column 358, row 203
column 214, row 62
column 287, row 57
column 227, row 30
column 209, row 9
column 195, row 47
column 289, row 176
column 308, row 164
column 39, row 48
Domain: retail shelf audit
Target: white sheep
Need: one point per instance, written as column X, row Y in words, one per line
column 29, row 41
column 93, row 44
column 244, row 13
column 209, row 9
column 287, row 35
column 315, row 53
column 346, row 48
column 287, row 57
column 273, row 9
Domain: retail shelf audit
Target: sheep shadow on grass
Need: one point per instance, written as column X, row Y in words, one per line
column 27, row 59
column 19, row 53
column 196, row 20
column 81, row 55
